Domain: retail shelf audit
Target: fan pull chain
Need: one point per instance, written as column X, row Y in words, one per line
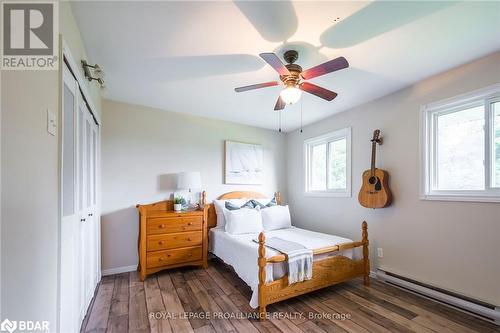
column 280, row 121
column 301, row 106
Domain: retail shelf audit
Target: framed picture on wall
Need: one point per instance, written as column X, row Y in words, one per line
column 244, row 163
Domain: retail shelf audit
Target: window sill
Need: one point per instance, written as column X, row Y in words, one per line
column 460, row 198
column 321, row 194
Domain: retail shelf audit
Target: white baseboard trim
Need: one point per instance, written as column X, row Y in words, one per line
column 465, row 305
column 118, row 270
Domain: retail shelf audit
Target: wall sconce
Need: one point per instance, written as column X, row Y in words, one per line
column 93, row 72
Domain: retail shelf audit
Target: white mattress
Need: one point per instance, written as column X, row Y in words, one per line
column 241, row 252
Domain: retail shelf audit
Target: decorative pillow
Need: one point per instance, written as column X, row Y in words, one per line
column 276, row 217
column 272, row 202
column 243, row 221
column 219, row 209
column 264, row 203
column 231, row 206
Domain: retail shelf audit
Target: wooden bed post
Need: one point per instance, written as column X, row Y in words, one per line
column 366, row 259
column 203, row 198
column 277, row 195
column 262, row 275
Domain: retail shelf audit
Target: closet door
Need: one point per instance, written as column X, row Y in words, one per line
column 94, row 207
column 80, row 242
column 83, row 188
column 70, row 277
column 89, row 241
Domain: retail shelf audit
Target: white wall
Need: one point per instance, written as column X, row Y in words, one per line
column 143, row 149
column 29, row 196
column 450, row 245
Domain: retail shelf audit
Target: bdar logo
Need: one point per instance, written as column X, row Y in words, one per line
column 8, row 326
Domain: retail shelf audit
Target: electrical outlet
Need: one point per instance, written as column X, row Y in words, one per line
column 380, row 252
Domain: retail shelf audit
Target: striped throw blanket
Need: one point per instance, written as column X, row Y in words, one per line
column 300, row 258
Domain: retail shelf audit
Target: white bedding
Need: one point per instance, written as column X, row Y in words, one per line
column 241, row 252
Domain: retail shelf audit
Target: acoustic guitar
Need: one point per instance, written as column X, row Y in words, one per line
column 375, row 192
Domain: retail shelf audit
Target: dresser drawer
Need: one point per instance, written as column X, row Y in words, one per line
column 173, row 224
column 174, row 240
column 171, row 257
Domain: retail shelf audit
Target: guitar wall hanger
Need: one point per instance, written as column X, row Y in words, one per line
column 93, row 72
column 375, row 192
column 380, row 140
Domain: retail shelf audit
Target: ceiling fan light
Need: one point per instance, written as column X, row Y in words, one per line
column 291, row 95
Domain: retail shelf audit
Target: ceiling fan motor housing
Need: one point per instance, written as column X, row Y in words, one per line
column 293, row 79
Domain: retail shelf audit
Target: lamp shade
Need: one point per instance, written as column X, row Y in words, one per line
column 188, row 180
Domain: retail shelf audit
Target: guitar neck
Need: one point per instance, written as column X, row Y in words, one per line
column 374, row 152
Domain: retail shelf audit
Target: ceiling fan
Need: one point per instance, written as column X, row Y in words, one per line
column 294, row 78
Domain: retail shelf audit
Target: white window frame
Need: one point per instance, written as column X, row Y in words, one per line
column 344, row 133
column 428, row 133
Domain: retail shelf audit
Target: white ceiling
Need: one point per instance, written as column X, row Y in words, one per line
column 189, row 56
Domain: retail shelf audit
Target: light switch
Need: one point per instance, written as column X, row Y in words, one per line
column 51, row 123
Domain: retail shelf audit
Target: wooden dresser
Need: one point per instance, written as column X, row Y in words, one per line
column 169, row 239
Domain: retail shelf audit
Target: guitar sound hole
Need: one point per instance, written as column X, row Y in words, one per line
column 375, row 181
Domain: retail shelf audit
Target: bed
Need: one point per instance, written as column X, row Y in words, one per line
column 336, row 259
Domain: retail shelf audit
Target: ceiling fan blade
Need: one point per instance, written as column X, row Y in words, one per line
column 280, row 105
column 325, row 68
column 275, row 62
column 318, row 91
column 256, row 86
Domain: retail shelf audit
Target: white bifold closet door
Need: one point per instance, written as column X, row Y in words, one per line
column 80, row 255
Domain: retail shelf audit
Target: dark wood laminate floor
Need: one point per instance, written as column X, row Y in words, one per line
column 163, row 301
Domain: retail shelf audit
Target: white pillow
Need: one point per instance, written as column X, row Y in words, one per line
column 220, row 206
column 276, row 217
column 243, row 221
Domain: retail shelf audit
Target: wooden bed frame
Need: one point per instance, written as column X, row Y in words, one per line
column 326, row 272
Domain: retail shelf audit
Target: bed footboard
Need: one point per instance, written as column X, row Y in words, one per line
column 326, row 272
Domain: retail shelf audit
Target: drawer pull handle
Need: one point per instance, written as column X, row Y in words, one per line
column 82, row 220
column 190, row 223
column 160, row 259
column 168, row 255
column 189, row 239
column 161, row 226
column 161, row 242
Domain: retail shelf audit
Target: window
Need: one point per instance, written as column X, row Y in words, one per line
column 461, row 147
column 328, row 164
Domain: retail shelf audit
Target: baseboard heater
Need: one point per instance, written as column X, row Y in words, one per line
column 477, row 308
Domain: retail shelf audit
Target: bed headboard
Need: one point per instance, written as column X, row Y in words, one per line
column 212, row 216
